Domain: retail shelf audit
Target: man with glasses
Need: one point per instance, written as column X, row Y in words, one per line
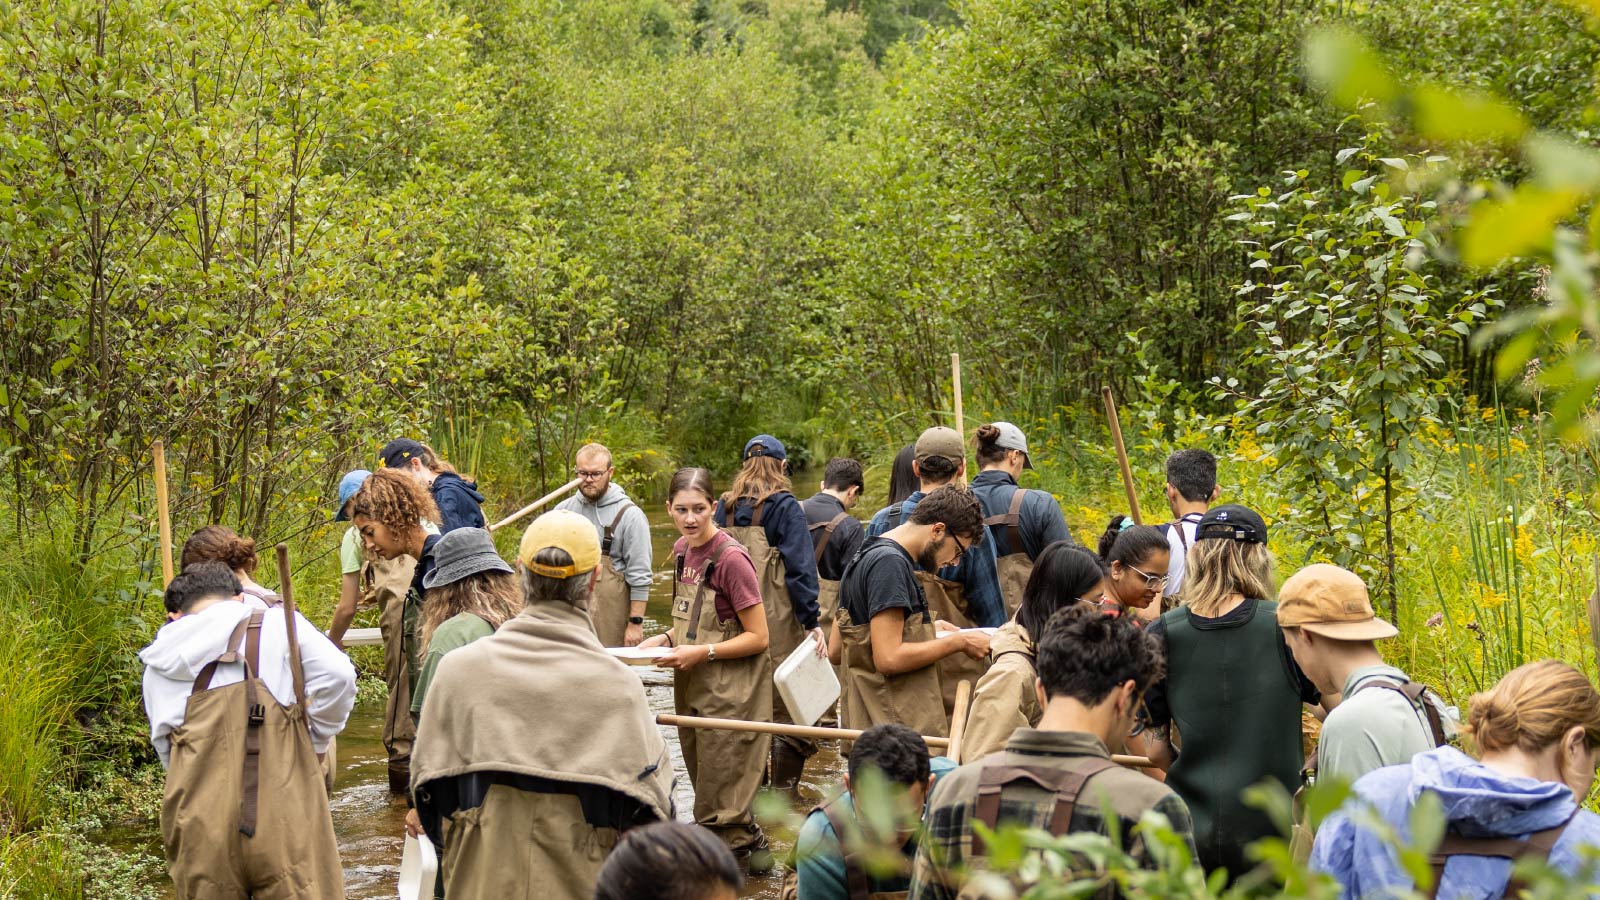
column 1093, row 672
column 622, row 582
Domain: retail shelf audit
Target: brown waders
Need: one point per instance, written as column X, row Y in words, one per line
column 238, row 745
column 911, row 699
column 789, row 754
column 725, row 767
column 385, row 582
column 1067, row 784
column 608, row 599
column 523, row 845
column 828, row 603
column 948, row 601
column 1015, row 567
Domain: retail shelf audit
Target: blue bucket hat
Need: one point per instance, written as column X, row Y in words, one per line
column 764, row 445
column 348, row 485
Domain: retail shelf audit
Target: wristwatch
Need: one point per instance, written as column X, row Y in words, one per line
column 711, row 652
column 636, row 620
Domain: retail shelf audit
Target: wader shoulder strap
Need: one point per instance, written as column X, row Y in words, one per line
column 896, row 513
column 270, row 598
column 1067, row 784
column 1178, row 527
column 755, row 512
column 1414, row 692
column 855, row 877
column 230, row 655
column 257, row 713
column 1538, row 845
column 611, row 530
column 699, row 589
column 827, row 532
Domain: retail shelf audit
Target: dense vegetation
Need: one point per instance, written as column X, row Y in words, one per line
column 276, row 234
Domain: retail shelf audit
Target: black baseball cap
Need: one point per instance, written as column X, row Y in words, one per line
column 399, row 451
column 1233, row 522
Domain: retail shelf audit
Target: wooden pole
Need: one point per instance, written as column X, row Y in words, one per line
column 1122, row 455
column 958, row 722
column 286, row 591
column 1594, row 609
column 534, row 505
column 955, row 379
column 163, row 517
column 830, row 734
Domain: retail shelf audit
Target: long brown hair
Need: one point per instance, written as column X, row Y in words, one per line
column 433, row 462
column 492, row 596
column 219, row 543
column 760, row 478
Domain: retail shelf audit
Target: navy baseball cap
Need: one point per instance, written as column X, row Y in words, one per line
column 764, row 445
column 399, row 451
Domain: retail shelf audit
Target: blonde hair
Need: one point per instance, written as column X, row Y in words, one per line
column 433, row 462
column 760, row 478
column 492, row 596
column 1217, row 567
column 1533, row 706
column 591, row 450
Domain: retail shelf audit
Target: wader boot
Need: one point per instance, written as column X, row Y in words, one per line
column 1015, row 567
column 386, row 582
column 947, row 600
column 912, row 699
column 725, row 767
column 783, row 631
column 828, row 604
column 608, row 599
column 245, row 813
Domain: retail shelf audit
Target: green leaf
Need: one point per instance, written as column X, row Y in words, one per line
column 1444, row 114
column 1561, row 164
column 1517, row 226
column 1347, row 68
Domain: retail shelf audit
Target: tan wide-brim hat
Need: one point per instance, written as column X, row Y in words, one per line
column 1332, row 602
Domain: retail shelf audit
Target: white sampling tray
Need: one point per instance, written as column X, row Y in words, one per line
column 807, row 684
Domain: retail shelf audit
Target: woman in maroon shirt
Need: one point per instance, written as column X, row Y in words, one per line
column 719, row 644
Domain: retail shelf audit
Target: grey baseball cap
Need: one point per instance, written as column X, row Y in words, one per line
column 461, row 553
column 1011, row 438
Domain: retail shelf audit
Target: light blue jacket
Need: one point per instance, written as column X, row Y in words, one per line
column 1478, row 802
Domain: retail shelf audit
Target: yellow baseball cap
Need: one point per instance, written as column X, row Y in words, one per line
column 1328, row 600
column 564, row 530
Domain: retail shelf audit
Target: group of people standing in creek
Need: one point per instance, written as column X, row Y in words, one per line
column 527, row 753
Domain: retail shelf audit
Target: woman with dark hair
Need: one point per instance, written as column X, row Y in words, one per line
column 1022, row 521
column 1064, row 574
column 1135, row 559
column 719, row 652
column 669, row 861
column 902, row 475
column 460, row 504
column 218, row 543
column 762, row 514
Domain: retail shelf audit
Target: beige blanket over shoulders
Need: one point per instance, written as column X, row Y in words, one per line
column 541, row 697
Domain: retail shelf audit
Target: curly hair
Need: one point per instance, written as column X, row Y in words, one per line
column 392, row 497
column 956, row 507
column 1085, row 654
column 219, row 543
column 493, row 597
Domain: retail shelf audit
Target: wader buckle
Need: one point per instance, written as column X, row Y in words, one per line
column 258, row 714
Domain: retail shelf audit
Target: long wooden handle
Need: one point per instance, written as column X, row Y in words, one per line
column 955, row 380
column 1122, row 455
column 1594, row 609
column 958, row 721
column 158, row 451
column 534, row 505
column 830, row 734
column 286, row 591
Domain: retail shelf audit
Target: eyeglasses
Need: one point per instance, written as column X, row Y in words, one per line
column 1150, row 581
column 589, row 476
column 1141, row 719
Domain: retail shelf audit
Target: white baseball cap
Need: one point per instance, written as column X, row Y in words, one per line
column 1011, row 438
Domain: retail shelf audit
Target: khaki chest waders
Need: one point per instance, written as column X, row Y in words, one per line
column 1015, row 567
column 783, row 630
column 947, row 600
column 725, row 767
column 1537, row 846
column 523, row 845
column 1066, row 784
column 608, row 600
column 385, row 582
column 245, row 813
column 828, row 603
column 872, row 698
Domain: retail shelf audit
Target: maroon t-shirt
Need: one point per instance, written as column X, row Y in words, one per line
column 733, row 580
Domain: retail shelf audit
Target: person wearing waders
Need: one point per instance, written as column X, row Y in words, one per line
column 537, row 749
column 965, row 592
column 760, row 513
column 460, row 504
column 1191, row 489
column 219, row 543
column 719, row 652
column 835, row 537
column 239, row 728
column 1022, row 521
column 885, row 636
column 367, row 580
column 622, row 583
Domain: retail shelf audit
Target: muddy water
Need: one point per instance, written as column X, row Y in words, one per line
column 368, row 819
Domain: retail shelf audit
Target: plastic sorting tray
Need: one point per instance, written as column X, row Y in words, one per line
column 807, row 684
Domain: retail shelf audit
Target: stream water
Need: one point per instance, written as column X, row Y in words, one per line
column 369, row 820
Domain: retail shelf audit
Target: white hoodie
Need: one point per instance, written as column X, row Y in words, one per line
column 183, row 647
